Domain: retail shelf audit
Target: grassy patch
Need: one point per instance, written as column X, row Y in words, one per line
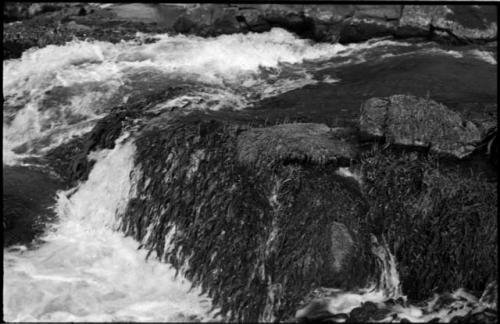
column 441, row 224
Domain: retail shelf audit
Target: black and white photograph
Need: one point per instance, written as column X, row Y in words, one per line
column 295, row 161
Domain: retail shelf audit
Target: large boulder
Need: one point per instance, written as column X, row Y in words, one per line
column 311, row 142
column 278, row 230
column 417, row 122
column 463, row 24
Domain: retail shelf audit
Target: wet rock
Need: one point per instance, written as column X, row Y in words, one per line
column 416, row 20
column 370, row 21
column 57, row 28
column 14, row 11
column 417, row 122
column 208, row 20
column 362, row 30
column 387, row 12
column 468, row 23
column 267, row 229
column 436, row 218
column 302, row 142
column 331, row 23
column 28, row 195
column 342, row 245
column 485, row 317
column 368, row 312
column 364, row 313
column 458, row 23
column 77, row 27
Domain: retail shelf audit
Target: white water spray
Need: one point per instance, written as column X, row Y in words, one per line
column 86, row 271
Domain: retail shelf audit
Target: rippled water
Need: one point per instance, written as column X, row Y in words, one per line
column 86, row 270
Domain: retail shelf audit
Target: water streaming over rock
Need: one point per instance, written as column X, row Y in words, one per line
column 172, row 222
column 87, row 271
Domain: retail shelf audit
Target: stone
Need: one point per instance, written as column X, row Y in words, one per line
column 468, row 22
column 301, row 142
column 417, row 122
column 40, row 25
column 458, row 23
column 342, row 245
column 387, row 12
column 363, row 30
column 373, row 115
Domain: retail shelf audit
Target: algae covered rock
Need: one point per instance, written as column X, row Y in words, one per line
column 439, row 221
column 316, row 143
column 418, row 122
column 255, row 238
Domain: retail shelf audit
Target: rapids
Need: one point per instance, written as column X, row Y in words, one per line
column 85, row 269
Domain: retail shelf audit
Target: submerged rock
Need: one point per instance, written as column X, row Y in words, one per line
column 308, row 142
column 416, row 122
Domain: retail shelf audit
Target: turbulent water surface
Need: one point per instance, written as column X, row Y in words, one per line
column 85, row 269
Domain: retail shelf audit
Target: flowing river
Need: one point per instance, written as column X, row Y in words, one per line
column 84, row 268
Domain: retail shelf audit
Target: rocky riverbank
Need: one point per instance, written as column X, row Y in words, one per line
column 44, row 24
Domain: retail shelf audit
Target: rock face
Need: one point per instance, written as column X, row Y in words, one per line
column 279, row 229
column 316, row 143
column 342, row 245
column 46, row 24
column 14, row 11
column 417, row 122
column 463, row 24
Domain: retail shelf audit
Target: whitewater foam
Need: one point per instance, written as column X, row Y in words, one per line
column 388, row 288
column 80, row 81
column 484, row 56
column 86, row 271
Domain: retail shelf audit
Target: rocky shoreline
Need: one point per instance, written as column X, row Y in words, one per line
column 40, row 25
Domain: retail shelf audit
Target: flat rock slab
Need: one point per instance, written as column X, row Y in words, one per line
column 304, row 142
column 418, row 122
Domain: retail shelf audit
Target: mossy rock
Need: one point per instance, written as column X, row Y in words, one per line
column 417, row 122
column 301, row 142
